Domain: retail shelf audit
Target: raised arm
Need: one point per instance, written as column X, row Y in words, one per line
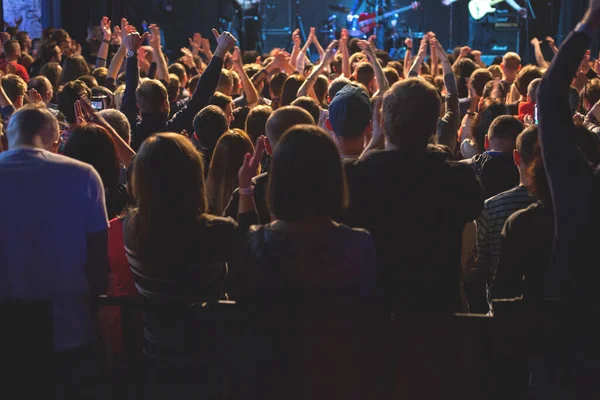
column 106, row 36
column 162, row 71
column 280, row 60
column 309, row 83
column 552, row 44
column 448, row 125
column 117, row 60
column 433, row 53
column 249, row 90
column 464, row 51
column 297, row 46
column 345, row 55
column 313, row 38
column 569, row 176
column 206, row 85
column 416, row 65
column 408, row 55
column 539, row 57
column 205, row 49
column 369, row 49
column 133, row 41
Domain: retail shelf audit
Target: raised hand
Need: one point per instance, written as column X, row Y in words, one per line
column 296, row 38
column 535, row 42
column 225, row 42
column 236, row 57
column 441, row 53
column 344, row 38
column 251, row 163
column 155, row 36
column 188, row 57
column 105, row 26
column 35, row 97
column 195, row 43
column 464, row 51
column 133, row 41
column 79, row 114
column 550, row 41
column 408, row 43
column 117, row 36
column 281, row 58
column 126, row 29
column 330, row 52
column 372, row 40
column 312, row 36
column 367, row 47
column 423, row 48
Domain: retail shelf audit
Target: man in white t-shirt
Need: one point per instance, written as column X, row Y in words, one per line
column 53, row 230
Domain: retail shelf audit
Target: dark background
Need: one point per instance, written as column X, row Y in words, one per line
column 554, row 17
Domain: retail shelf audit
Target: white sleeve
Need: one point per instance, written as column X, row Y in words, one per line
column 514, row 4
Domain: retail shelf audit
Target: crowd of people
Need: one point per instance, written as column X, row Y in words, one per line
column 430, row 184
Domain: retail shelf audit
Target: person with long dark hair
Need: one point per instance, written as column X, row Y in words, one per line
column 179, row 253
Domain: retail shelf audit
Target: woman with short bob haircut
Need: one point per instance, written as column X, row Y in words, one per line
column 304, row 248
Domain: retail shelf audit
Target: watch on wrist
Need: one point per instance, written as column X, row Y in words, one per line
column 131, row 53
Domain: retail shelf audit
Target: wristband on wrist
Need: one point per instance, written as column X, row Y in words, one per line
column 105, row 41
column 246, row 191
column 409, row 48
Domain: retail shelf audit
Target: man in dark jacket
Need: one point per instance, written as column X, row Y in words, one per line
column 496, row 168
column 152, row 99
column 414, row 203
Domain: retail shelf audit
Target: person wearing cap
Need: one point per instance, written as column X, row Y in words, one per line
column 350, row 120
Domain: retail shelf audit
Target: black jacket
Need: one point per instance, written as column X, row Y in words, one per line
column 149, row 124
column 415, row 206
column 497, row 172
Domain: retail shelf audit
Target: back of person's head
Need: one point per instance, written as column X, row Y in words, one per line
column 89, row 80
column 276, row 83
column 573, row 99
column 526, row 142
column 290, row 89
column 179, row 70
column 391, row 75
column 321, row 86
column 15, row 88
column 52, row 71
column 118, row 121
column 336, row 85
column 256, row 123
column 283, row 119
column 532, row 90
column 488, row 112
column 68, row 95
column 350, row 112
column 50, row 52
column 119, row 92
column 365, row 73
column 463, row 70
column 168, row 185
column 511, row 60
column 32, row 125
column 494, row 90
column 411, row 109
column 173, row 88
column 74, row 66
column 525, row 76
column 538, row 185
column 23, row 38
column 220, row 100
column 591, row 93
column 152, row 97
column 479, row 78
column 503, row 132
column 225, row 84
column 397, row 66
column 93, row 145
column 12, row 48
column 306, row 157
column 353, row 46
column 495, row 70
column 193, row 84
column 43, row 86
column 209, row 124
column 100, row 74
column 59, row 36
column 310, row 105
column 226, row 161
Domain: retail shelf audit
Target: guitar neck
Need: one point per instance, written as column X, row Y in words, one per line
column 388, row 14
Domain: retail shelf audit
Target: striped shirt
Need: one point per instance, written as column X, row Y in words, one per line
column 496, row 211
